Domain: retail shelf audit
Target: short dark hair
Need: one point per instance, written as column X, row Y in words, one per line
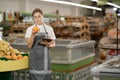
column 37, row 10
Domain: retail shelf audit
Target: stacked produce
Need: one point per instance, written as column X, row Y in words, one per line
column 113, row 33
column 10, row 56
column 9, row 52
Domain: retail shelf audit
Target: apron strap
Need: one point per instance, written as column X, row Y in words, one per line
column 45, row 58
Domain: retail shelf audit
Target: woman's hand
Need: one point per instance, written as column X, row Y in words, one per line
column 44, row 43
column 48, row 44
column 34, row 32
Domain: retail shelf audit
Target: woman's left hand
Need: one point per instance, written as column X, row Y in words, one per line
column 45, row 43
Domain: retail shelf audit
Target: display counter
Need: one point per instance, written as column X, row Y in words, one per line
column 72, row 59
column 109, row 70
column 13, row 65
column 9, row 66
column 71, row 51
column 11, row 60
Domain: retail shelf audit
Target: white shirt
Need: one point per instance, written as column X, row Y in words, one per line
column 49, row 30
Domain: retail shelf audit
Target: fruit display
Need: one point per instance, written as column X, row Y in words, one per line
column 113, row 33
column 5, row 49
column 10, row 56
column 9, row 52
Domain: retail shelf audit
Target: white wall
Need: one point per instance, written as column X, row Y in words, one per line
column 12, row 4
column 48, row 8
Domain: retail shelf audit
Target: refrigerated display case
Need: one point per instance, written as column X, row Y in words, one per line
column 72, row 59
column 71, row 51
column 109, row 70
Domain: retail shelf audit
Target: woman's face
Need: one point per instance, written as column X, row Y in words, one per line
column 38, row 18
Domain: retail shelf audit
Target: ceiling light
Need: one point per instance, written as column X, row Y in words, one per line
column 108, row 3
column 73, row 4
column 94, row 0
column 115, row 9
column 114, row 5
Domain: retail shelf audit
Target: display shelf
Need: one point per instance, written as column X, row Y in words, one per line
column 75, row 19
column 112, row 34
column 109, row 46
column 93, row 23
column 17, row 30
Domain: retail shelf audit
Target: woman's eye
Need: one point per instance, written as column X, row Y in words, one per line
column 37, row 16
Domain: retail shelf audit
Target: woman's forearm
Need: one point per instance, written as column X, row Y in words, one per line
column 52, row 43
column 31, row 41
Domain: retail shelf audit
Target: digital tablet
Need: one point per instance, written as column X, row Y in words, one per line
column 48, row 40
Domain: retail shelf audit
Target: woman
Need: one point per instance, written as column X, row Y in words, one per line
column 39, row 48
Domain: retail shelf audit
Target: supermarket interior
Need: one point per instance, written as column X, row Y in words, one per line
column 82, row 43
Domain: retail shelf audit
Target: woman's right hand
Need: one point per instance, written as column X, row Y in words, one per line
column 35, row 29
column 34, row 32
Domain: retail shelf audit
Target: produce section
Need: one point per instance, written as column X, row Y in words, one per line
column 68, row 58
column 87, row 45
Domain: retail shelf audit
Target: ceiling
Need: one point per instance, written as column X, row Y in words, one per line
column 101, row 2
column 112, row 1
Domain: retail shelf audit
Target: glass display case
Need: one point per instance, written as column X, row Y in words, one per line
column 71, row 51
column 109, row 70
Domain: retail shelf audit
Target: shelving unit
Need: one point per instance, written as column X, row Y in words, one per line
column 95, row 30
column 75, row 19
column 110, row 46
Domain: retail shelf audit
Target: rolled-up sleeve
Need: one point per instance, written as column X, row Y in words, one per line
column 53, row 34
column 28, row 32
